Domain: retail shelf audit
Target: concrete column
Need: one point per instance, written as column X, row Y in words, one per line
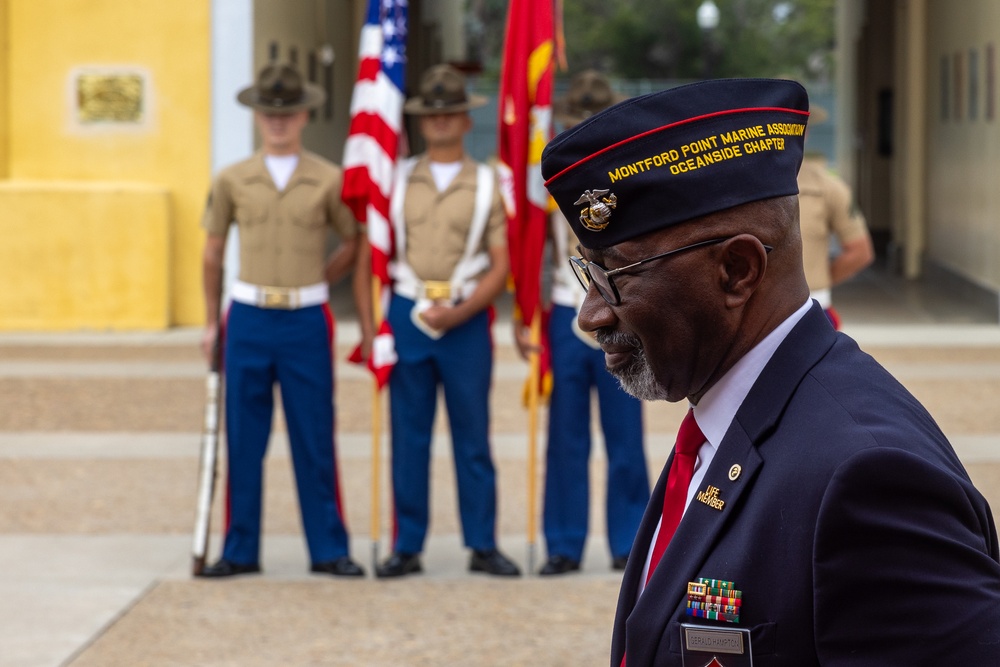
column 232, row 69
column 912, row 110
column 449, row 15
column 850, row 15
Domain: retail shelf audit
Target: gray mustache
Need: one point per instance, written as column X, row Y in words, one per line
column 605, row 337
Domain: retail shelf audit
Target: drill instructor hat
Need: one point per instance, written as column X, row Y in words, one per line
column 279, row 89
column 589, row 92
column 442, row 90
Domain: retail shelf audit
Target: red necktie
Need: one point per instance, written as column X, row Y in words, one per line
column 689, row 441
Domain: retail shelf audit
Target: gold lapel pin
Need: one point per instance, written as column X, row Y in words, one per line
column 710, row 497
column 734, row 472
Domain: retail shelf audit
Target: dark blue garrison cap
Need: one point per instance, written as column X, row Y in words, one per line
column 657, row 160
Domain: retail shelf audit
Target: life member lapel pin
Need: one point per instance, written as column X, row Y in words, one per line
column 710, row 496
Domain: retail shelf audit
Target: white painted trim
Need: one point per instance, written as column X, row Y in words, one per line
column 232, row 123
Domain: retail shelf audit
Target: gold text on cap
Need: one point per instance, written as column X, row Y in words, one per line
column 597, row 215
column 734, row 472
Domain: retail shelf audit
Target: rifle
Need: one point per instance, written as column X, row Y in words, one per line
column 209, row 457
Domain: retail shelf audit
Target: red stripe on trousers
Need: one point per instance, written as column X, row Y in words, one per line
column 330, row 329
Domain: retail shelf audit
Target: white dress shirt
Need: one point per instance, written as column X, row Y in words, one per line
column 719, row 405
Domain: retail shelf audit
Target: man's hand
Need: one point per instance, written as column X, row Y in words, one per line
column 215, row 249
column 854, row 256
column 522, row 338
column 365, row 346
column 442, row 317
column 208, row 341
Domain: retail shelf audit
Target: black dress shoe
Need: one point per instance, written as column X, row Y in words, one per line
column 342, row 567
column 559, row 565
column 399, row 564
column 227, row 568
column 619, row 562
column 491, row 561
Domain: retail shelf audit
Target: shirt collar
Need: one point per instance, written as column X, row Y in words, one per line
column 306, row 170
column 466, row 177
column 717, row 408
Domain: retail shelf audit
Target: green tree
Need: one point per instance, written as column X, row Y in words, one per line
column 660, row 39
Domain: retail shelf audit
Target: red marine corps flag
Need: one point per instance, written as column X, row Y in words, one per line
column 525, row 122
column 525, row 126
column 370, row 153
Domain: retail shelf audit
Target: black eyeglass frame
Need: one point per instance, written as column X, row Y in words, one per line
column 582, row 269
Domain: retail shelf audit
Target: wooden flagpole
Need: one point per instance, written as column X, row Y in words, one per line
column 376, row 506
column 534, row 361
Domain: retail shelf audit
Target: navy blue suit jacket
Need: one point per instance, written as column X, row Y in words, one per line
column 853, row 530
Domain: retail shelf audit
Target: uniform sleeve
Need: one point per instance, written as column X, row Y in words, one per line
column 905, row 566
column 846, row 223
column 496, row 227
column 219, row 211
column 339, row 215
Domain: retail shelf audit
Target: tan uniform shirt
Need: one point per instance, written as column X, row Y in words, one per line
column 825, row 210
column 283, row 234
column 437, row 223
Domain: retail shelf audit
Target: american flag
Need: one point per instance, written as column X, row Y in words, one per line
column 371, row 150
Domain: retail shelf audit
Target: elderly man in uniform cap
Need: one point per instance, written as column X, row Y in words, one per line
column 450, row 264
column 577, row 368
column 280, row 328
column 811, row 513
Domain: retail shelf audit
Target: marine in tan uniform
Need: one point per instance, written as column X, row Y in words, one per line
column 450, row 264
column 827, row 213
column 279, row 328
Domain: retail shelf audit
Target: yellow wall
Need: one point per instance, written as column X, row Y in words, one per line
column 88, row 270
column 4, row 132
column 168, row 43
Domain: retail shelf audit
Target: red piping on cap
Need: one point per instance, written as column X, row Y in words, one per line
column 667, row 127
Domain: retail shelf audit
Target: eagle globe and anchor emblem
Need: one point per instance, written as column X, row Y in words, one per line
column 597, row 215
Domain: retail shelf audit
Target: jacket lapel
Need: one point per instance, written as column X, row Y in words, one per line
column 645, row 620
column 696, row 534
column 637, row 557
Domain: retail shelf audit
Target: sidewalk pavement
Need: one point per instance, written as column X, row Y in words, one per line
column 99, row 439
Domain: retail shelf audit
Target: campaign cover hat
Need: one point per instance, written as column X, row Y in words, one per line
column 279, row 89
column 661, row 159
column 442, row 90
column 589, row 92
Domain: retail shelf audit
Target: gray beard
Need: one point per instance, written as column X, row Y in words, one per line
column 637, row 377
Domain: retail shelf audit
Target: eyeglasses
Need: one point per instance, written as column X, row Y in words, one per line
column 603, row 279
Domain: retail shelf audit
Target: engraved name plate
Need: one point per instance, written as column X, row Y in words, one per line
column 703, row 646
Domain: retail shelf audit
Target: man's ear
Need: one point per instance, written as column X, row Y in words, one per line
column 742, row 263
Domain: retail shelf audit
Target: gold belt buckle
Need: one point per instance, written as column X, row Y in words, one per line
column 275, row 297
column 437, row 290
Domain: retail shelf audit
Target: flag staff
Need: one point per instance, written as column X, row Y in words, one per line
column 373, row 143
column 376, row 505
column 534, row 391
column 524, row 127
